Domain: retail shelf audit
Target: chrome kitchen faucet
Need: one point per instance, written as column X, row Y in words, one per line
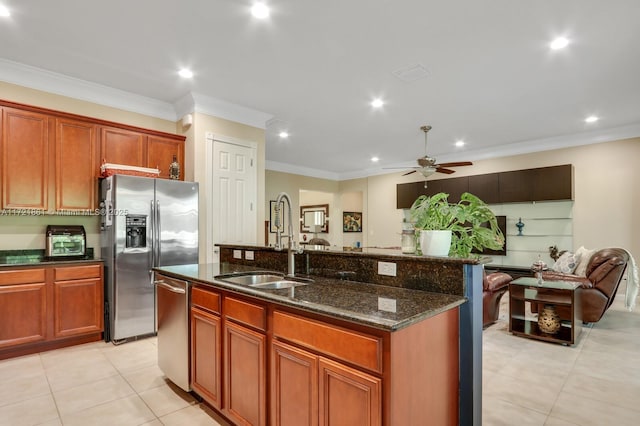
column 291, row 246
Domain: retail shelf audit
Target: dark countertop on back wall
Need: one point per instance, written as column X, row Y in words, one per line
column 371, row 252
column 347, row 300
column 34, row 257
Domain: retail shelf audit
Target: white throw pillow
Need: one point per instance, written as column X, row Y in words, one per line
column 566, row 263
column 585, row 257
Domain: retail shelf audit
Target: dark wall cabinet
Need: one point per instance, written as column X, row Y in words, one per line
column 541, row 184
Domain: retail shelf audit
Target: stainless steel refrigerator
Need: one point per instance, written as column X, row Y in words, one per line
column 146, row 223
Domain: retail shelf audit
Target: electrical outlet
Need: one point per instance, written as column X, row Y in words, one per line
column 237, row 254
column 248, row 254
column 387, row 268
column 385, row 304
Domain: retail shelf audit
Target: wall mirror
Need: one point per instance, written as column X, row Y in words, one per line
column 314, row 216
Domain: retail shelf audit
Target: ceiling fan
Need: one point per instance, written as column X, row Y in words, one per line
column 428, row 166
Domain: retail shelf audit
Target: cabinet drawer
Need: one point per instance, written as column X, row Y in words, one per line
column 23, row 276
column 347, row 345
column 205, row 299
column 77, row 272
column 245, row 313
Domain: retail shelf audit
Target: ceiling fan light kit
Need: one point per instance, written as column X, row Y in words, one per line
column 428, row 166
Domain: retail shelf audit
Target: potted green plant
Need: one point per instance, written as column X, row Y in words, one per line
column 463, row 226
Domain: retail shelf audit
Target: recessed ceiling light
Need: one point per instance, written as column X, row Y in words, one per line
column 260, row 10
column 375, row 159
column 591, row 119
column 459, row 143
column 4, row 11
column 185, row 73
column 283, row 135
column 377, row 103
column 559, row 43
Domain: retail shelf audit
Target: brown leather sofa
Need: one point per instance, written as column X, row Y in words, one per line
column 493, row 287
column 604, row 272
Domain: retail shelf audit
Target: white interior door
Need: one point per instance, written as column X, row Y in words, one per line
column 234, row 193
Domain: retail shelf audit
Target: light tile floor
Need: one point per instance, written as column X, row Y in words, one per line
column 595, row 382
column 525, row 382
column 96, row 384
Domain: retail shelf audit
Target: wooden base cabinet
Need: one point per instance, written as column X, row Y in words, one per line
column 294, row 386
column 49, row 307
column 245, row 366
column 321, row 370
column 23, row 307
column 348, row 396
column 307, row 389
column 206, row 356
column 78, row 297
column 326, row 392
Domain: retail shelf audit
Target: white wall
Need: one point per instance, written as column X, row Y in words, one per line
column 606, row 207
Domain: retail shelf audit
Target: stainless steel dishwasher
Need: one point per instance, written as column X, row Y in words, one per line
column 172, row 298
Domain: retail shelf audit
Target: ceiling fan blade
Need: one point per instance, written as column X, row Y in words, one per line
column 408, row 173
column 455, row 164
column 443, row 170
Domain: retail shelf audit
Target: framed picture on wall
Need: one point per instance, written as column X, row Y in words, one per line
column 351, row 221
column 272, row 217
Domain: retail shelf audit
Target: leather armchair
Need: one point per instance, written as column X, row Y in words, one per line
column 604, row 272
column 494, row 286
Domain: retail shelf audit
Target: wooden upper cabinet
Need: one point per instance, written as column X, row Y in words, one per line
column 121, row 146
column 407, row 193
column 25, row 159
column 160, row 152
column 76, row 165
column 553, row 183
column 516, row 186
column 486, row 187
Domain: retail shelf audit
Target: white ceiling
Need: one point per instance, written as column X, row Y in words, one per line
column 315, row 66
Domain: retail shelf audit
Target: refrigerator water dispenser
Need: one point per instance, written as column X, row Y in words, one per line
column 136, row 231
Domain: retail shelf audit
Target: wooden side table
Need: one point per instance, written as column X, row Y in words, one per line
column 565, row 296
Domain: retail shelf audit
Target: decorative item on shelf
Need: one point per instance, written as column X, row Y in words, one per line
column 520, row 225
column 174, row 169
column 455, row 229
column 110, row 169
column 537, row 268
column 549, row 320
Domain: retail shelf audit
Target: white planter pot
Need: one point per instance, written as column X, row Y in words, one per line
column 435, row 243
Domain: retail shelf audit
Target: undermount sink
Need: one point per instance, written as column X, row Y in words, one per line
column 263, row 281
column 278, row 284
column 252, row 279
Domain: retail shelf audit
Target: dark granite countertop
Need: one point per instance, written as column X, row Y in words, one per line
column 374, row 252
column 36, row 257
column 347, row 300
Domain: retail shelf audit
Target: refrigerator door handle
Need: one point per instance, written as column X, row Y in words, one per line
column 169, row 287
column 152, row 227
column 158, row 245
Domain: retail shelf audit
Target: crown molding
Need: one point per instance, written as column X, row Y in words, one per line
column 297, row 170
column 60, row 84
column 229, row 111
column 547, row 144
column 518, row 148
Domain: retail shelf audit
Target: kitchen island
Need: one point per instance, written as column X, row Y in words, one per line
column 327, row 350
column 455, row 276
